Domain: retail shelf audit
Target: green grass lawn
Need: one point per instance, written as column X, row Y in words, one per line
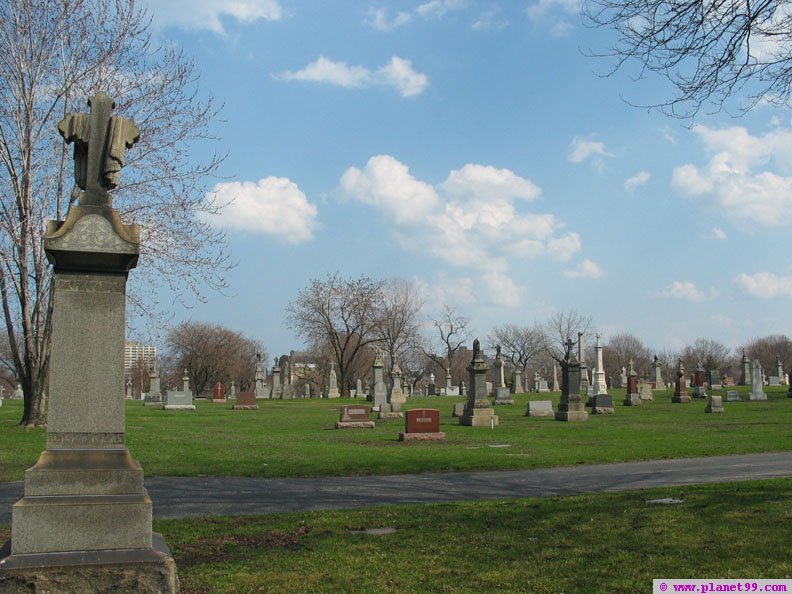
column 296, row 437
column 607, row 543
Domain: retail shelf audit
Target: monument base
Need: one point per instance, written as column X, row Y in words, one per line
column 354, row 425
column 680, row 399
column 390, row 415
column 571, row 412
column 218, row 401
column 479, row 417
column 120, row 571
column 245, row 407
column 632, row 400
column 761, row 396
column 699, row 392
column 439, row 436
column 179, row 407
column 503, row 401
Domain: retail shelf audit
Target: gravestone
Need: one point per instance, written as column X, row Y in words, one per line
column 128, row 389
column 245, row 401
column 733, row 396
column 379, row 394
column 260, row 378
column 463, row 389
column 218, row 394
column 19, row 394
column 779, row 370
column 657, row 376
column 277, row 389
column 773, row 380
column 714, row 379
column 232, row 392
column 459, row 409
column 359, row 389
column 478, row 412
column 556, row 385
column 180, row 399
column 500, row 380
column 698, row 382
column 307, row 390
column 745, row 375
column 757, row 387
column 503, row 396
column 540, row 408
column 540, row 384
column 632, row 398
column 602, row 404
column 645, row 391
column 584, row 380
column 680, row 388
column 598, row 375
column 570, row 407
column 448, row 385
column 431, row 388
column 422, row 424
column 85, row 521
column 396, row 398
column 332, row 390
column 714, row 404
column 517, row 387
column 623, row 378
column 154, row 396
column 355, row 416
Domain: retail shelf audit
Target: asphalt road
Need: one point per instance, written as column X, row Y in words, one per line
column 176, row 497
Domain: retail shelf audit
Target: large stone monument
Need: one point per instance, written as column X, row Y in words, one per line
column 332, row 389
column 584, row 382
column 478, row 412
column 745, row 374
column 502, row 393
column 598, row 375
column 517, row 387
column 379, row 391
column 180, row 399
column 680, row 388
column 260, row 378
column 780, row 370
column 757, row 386
column 154, row 396
column 84, row 523
column 698, row 382
column 657, row 376
column 632, row 398
column 570, row 406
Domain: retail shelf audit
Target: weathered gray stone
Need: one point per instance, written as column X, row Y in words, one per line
column 714, row 404
column 757, row 388
column 379, row 393
column 570, row 407
column 503, row 396
column 332, row 390
column 478, row 412
column 540, row 408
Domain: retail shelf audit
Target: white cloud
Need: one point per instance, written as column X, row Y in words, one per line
column 587, row 269
column 387, row 183
column 398, row 74
column 378, row 19
column 502, row 289
column 556, row 11
column 273, row 206
column 685, row 291
column 490, row 20
column 766, row 285
column 439, row 8
column 748, row 178
column 206, row 14
column 636, row 181
column 477, row 180
column 719, row 233
column 474, row 219
column 582, row 149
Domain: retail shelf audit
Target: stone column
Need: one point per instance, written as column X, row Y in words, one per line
column 379, row 390
column 698, row 382
column 517, row 387
column 570, row 406
column 478, row 412
column 85, row 518
column 745, row 376
column 332, row 390
column 680, row 390
column 260, row 379
column 276, row 387
column 657, row 376
column 632, row 398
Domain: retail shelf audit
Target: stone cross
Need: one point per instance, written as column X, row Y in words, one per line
column 100, row 142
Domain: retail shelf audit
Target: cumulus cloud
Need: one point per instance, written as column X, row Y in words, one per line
column 206, row 14
column 273, row 206
column 719, row 233
column 765, row 285
column 502, row 289
column 554, row 15
column 474, row 219
column 636, row 181
column 490, row 20
column 685, row 291
column 748, row 178
column 582, row 149
column 587, row 269
column 378, row 19
column 439, row 8
column 397, row 74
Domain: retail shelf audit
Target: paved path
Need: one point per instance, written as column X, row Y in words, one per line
column 176, row 497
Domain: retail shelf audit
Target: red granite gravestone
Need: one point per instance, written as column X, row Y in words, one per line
column 219, row 393
column 246, row 401
column 355, row 416
column 422, row 424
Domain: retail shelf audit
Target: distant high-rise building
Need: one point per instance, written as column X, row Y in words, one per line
column 135, row 351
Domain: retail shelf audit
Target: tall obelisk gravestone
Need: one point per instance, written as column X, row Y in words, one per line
column 84, row 523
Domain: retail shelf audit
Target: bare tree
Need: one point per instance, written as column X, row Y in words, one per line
column 620, row 349
column 54, row 56
column 563, row 326
column 344, row 314
column 766, row 349
column 401, row 310
column 709, row 353
column 211, row 353
column 709, row 51
column 520, row 344
column 451, row 334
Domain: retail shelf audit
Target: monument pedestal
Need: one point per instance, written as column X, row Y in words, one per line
column 479, row 416
column 572, row 411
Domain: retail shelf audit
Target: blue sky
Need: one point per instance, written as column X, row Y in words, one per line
column 474, row 148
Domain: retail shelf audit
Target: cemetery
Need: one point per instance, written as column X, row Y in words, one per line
column 108, row 215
